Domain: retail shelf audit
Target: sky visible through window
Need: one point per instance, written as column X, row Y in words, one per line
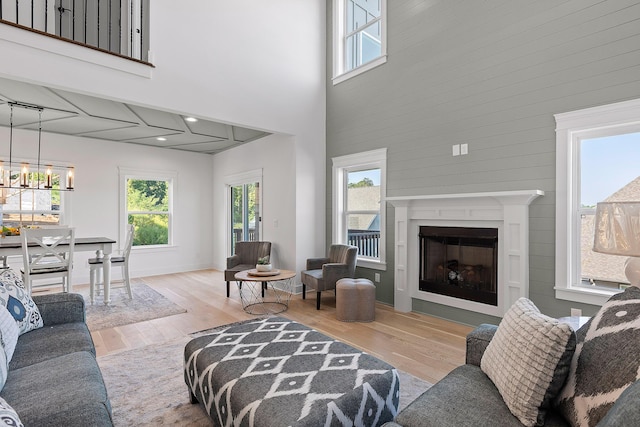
column 372, row 174
column 607, row 165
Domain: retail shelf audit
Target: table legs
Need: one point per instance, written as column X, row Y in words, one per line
column 252, row 295
column 106, row 279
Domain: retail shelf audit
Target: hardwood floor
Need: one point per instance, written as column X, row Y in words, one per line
column 424, row 346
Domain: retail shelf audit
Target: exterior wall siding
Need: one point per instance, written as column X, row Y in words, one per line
column 490, row 74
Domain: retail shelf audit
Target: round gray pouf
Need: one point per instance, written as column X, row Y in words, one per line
column 355, row 300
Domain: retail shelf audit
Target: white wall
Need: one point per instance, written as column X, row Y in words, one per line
column 247, row 62
column 276, row 158
column 95, row 201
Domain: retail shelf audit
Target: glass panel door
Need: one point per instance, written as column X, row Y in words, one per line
column 245, row 213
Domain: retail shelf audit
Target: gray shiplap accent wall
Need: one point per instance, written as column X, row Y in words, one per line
column 490, row 74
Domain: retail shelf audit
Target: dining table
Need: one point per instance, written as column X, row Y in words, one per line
column 103, row 247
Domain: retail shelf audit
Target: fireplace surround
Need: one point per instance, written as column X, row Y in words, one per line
column 506, row 211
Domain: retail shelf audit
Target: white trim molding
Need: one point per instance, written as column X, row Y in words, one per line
column 507, row 211
column 339, row 42
column 235, row 180
column 125, row 173
column 12, row 38
column 374, row 159
column 571, row 128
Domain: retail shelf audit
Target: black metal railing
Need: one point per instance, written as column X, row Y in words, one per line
column 367, row 241
column 115, row 26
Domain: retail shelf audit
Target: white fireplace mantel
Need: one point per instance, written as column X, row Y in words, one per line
column 508, row 211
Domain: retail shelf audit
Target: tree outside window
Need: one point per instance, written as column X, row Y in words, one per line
column 148, row 209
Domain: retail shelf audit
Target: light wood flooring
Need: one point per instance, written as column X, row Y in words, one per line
column 424, row 346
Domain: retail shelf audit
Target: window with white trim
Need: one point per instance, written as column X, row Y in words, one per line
column 359, row 182
column 22, row 207
column 147, row 204
column 597, row 152
column 359, row 28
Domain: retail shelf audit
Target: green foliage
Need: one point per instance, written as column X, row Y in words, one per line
column 365, row 182
column 148, row 196
column 236, row 201
column 150, row 229
column 264, row 260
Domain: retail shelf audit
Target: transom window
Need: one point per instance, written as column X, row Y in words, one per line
column 359, row 36
column 359, row 192
column 597, row 156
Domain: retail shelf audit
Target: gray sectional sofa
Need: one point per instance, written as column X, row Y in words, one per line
column 604, row 363
column 54, row 378
column 466, row 396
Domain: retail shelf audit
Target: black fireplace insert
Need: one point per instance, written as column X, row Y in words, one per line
column 460, row 262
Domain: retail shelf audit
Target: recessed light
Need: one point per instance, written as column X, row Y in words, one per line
column 161, row 138
column 191, row 119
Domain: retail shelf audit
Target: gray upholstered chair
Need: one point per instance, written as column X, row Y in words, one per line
column 245, row 258
column 323, row 273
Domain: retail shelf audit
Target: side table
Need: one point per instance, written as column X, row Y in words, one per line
column 265, row 292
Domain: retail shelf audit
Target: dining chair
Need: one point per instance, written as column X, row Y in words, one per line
column 47, row 253
column 96, row 265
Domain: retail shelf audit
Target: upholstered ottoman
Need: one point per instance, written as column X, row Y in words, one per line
column 355, row 300
column 276, row 372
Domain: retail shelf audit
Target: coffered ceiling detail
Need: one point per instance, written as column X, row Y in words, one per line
column 81, row 115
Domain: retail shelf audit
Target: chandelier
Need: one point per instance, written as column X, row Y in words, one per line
column 20, row 175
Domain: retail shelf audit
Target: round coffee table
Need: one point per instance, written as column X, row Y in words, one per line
column 267, row 292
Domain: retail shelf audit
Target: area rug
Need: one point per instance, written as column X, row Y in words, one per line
column 146, row 387
column 146, row 304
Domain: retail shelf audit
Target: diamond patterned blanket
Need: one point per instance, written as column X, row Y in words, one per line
column 277, row 372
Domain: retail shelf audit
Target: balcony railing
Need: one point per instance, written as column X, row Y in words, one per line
column 119, row 27
column 367, row 241
column 238, row 236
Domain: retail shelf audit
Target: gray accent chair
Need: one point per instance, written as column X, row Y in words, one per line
column 245, row 257
column 323, row 273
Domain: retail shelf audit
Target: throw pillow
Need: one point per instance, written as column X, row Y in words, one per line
column 8, row 416
column 15, row 298
column 4, row 365
column 528, row 360
column 605, row 362
column 9, row 331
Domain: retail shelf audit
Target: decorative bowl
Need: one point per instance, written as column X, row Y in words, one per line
column 264, row 267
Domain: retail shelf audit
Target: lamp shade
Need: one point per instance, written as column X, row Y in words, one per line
column 617, row 228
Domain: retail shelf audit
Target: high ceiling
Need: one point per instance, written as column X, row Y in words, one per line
column 80, row 115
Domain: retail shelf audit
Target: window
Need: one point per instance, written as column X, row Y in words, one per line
column 244, row 220
column 358, row 205
column 31, row 207
column 359, row 36
column 245, row 213
column 597, row 155
column 148, row 206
